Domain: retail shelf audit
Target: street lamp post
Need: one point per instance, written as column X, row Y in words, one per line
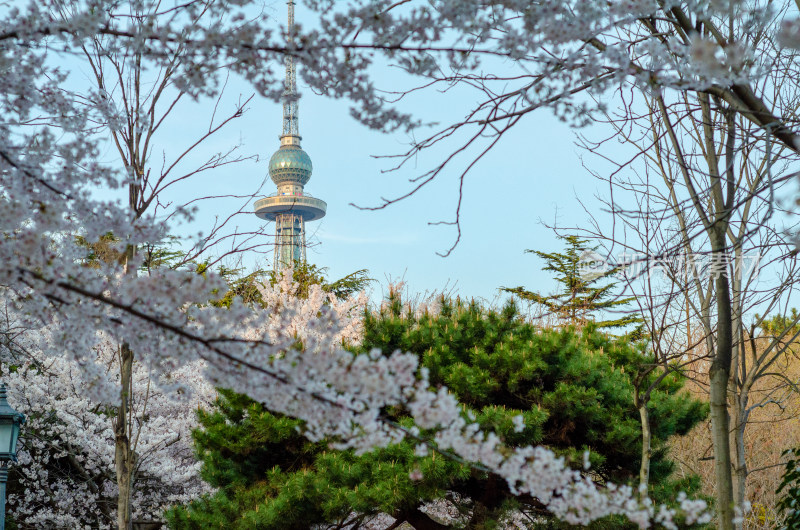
column 10, row 422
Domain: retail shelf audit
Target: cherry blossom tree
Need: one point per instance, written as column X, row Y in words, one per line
column 139, row 97
column 66, row 476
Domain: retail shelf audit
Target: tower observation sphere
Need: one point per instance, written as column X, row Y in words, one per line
column 290, row 207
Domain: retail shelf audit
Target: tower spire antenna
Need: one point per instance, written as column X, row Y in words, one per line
column 291, row 127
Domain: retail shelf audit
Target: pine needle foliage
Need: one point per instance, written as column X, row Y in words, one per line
column 780, row 324
column 789, row 491
column 572, row 388
column 308, row 274
column 582, row 296
column 271, row 477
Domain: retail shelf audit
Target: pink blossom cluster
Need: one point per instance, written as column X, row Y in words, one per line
column 66, row 451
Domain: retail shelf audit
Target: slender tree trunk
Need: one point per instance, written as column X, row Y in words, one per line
column 740, row 467
column 644, row 468
column 123, row 455
column 720, row 373
column 740, row 389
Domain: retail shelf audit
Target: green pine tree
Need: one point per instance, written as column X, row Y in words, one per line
column 780, row 324
column 572, row 388
column 308, row 274
column 584, row 293
column 788, row 491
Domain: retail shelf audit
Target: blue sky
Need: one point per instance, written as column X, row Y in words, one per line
column 534, row 174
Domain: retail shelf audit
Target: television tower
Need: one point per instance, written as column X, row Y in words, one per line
column 290, row 169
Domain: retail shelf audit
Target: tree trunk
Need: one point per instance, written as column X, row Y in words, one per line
column 719, row 375
column 644, row 468
column 123, row 455
column 740, row 467
column 740, row 386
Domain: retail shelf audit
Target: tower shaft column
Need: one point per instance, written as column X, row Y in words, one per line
column 290, row 240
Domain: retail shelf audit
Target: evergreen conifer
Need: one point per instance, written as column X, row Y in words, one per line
column 585, row 287
column 573, row 389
